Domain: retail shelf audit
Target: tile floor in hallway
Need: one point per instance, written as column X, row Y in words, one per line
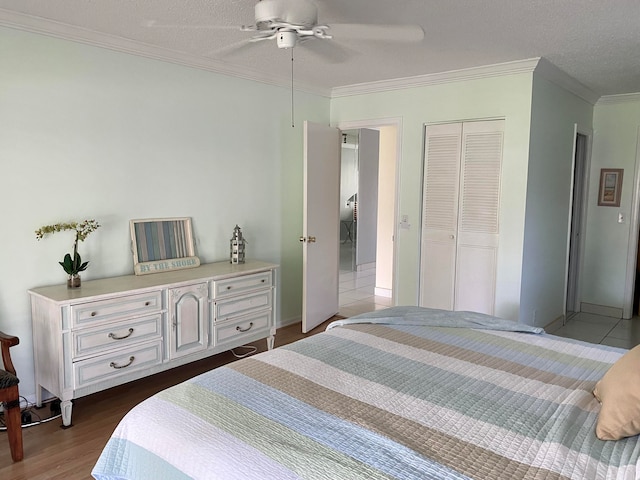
column 615, row 332
column 357, row 296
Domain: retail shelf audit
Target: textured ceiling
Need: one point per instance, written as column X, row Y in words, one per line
column 596, row 42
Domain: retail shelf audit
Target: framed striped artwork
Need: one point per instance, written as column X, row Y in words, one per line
column 162, row 244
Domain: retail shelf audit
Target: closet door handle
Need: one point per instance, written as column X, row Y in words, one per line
column 452, row 237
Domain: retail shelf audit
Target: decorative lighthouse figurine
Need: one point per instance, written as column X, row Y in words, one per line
column 237, row 246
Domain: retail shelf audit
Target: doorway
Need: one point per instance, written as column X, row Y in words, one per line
column 632, row 281
column 578, row 212
column 359, row 203
column 367, row 247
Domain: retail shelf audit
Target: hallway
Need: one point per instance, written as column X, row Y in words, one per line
column 356, row 293
column 356, row 296
column 615, row 332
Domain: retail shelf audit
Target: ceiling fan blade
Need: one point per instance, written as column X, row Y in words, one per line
column 328, row 50
column 231, row 49
column 382, row 33
column 155, row 24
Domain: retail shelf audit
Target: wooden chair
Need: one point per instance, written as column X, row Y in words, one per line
column 10, row 398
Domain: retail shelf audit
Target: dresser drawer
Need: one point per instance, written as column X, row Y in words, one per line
column 234, row 330
column 87, row 313
column 116, row 335
column 241, row 284
column 236, row 306
column 116, row 364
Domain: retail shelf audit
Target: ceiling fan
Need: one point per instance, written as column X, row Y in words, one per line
column 291, row 22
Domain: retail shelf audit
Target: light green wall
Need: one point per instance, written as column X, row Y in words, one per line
column 555, row 112
column 614, row 146
column 91, row 133
column 507, row 97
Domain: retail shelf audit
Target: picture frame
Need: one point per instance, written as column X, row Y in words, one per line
column 610, row 190
column 162, row 244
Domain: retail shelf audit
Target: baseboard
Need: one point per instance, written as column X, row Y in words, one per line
column 366, row 266
column 383, row 292
column 554, row 325
column 289, row 321
column 601, row 310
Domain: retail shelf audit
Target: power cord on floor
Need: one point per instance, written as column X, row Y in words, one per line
column 30, row 411
column 250, row 351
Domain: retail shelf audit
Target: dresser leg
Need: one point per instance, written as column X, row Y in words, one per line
column 65, row 408
column 270, row 341
column 38, row 395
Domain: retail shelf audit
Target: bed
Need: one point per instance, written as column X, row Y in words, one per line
column 403, row 393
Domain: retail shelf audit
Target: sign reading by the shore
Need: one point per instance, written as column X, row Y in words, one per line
column 162, row 244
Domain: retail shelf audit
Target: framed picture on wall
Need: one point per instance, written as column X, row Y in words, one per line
column 162, row 244
column 610, row 187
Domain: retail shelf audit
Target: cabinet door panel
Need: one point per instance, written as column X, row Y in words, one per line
column 188, row 319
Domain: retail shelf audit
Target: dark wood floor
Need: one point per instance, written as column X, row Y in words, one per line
column 51, row 452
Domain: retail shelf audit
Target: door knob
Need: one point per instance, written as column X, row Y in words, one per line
column 302, row 239
column 311, row 239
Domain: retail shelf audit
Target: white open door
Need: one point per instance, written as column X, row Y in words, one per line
column 321, row 224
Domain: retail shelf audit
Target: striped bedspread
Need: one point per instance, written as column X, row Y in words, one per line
column 379, row 401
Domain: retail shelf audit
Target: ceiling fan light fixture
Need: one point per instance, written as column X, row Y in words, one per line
column 286, row 38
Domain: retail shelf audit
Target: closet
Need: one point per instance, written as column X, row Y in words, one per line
column 460, row 215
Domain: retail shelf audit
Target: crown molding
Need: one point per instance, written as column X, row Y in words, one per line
column 617, row 99
column 539, row 65
column 51, row 28
column 72, row 33
column 484, row 71
column 552, row 73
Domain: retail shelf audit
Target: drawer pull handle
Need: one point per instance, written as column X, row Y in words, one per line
column 229, row 287
column 244, row 329
column 115, row 337
column 146, row 304
column 114, row 365
column 93, row 314
column 263, row 280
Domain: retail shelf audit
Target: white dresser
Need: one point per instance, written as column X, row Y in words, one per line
column 114, row 330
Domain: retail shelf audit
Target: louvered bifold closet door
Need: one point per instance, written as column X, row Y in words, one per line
column 478, row 216
column 443, row 145
column 460, row 228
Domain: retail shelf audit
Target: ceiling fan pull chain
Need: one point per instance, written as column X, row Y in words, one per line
column 292, row 122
